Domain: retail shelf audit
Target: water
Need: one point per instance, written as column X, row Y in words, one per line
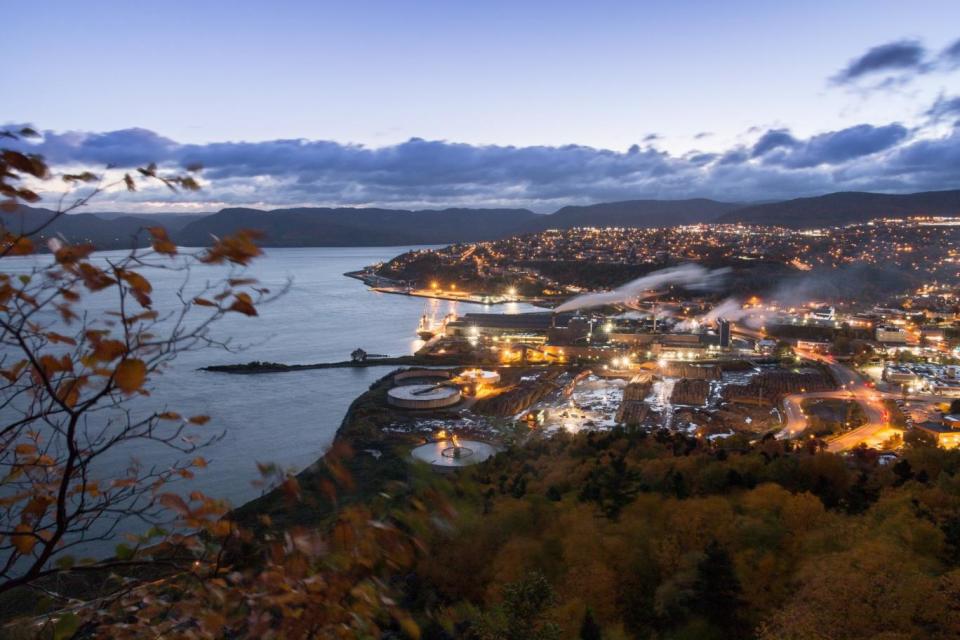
column 284, row 418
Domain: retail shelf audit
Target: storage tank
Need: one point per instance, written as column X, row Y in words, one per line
column 423, row 396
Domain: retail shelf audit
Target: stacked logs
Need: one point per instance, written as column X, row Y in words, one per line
column 767, row 388
column 690, row 392
column 691, row 371
column 633, row 410
column 521, row 397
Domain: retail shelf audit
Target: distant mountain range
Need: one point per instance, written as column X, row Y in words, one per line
column 342, row 227
column 637, row 213
column 846, row 207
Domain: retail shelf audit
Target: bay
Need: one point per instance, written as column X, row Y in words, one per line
column 288, row 419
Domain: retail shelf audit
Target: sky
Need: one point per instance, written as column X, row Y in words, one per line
column 533, row 104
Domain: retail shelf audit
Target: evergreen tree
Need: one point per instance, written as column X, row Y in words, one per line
column 717, row 591
column 523, row 613
column 590, row 629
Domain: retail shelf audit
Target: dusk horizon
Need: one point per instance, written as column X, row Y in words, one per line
column 613, row 109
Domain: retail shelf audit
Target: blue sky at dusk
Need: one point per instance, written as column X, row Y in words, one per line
column 533, row 104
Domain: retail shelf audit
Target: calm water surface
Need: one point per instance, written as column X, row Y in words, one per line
column 284, row 418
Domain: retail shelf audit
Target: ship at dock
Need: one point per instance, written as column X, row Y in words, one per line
column 428, row 328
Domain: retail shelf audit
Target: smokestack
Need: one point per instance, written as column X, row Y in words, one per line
column 723, row 328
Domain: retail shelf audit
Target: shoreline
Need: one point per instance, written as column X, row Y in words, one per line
column 350, row 453
column 385, row 285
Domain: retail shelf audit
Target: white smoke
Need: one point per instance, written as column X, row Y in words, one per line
column 732, row 310
column 692, row 276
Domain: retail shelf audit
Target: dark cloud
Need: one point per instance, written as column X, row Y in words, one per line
column 893, row 57
column 702, row 135
column 773, row 139
column 650, row 137
column 699, row 159
column 951, row 55
column 944, row 107
column 929, row 163
column 126, row 147
column 831, row 148
column 436, row 173
column 734, row 156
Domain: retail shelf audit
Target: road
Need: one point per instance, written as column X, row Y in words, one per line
column 877, row 428
column 796, row 421
column 852, row 387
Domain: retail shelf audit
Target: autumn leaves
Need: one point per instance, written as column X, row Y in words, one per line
column 69, row 368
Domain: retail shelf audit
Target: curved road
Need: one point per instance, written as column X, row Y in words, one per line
column 852, row 387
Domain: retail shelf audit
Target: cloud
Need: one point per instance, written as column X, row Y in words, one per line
column 929, row 163
column 901, row 56
column 831, row 148
column 951, row 55
column 700, row 159
column 125, row 147
column 422, row 173
column 772, row 139
column 734, row 156
column 944, row 107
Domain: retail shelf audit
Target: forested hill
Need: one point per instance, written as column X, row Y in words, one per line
column 847, row 207
column 105, row 231
column 358, row 226
column 344, row 227
column 638, row 213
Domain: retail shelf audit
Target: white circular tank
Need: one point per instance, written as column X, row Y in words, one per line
column 423, row 396
column 481, row 376
column 443, row 454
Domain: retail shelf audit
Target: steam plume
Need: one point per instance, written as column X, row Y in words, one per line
column 692, row 276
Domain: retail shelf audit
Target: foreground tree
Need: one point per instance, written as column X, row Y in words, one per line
column 74, row 386
column 70, row 376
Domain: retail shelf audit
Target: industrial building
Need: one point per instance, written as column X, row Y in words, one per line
column 891, row 335
column 531, row 328
column 946, row 435
column 565, row 337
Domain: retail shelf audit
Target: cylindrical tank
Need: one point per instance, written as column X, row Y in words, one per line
column 423, row 396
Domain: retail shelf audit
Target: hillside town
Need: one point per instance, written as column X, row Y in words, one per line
column 767, row 337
